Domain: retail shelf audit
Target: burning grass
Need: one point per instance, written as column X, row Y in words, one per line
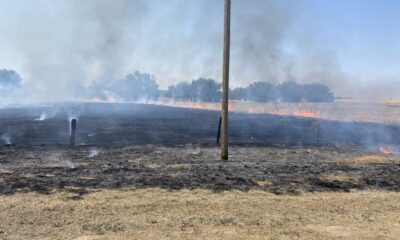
column 200, row 214
column 360, row 111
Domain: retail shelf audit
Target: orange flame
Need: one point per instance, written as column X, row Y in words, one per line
column 387, row 151
column 238, row 107
column 303, row 111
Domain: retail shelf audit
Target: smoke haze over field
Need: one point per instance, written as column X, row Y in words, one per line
column 60, row 48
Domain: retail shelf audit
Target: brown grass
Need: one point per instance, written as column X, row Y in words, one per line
column 264, row 183
column 154, row 165
column 179, row 166
column 171, row 166
column 341, row 178
column 367, row 159
column 200, row 214
column 5, row 171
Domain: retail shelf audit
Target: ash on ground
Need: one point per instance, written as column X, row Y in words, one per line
column 278, row 169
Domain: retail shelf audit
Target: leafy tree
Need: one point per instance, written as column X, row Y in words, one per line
column 239, row 94
column 204, row 90
column 9, row 80
column 291, row 92
column 133, row 87
column 136, row 86
column 317, row 92
column 180, row 91
column 262, row 92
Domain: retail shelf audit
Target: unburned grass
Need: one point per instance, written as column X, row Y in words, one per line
column 200, row 214
column 367, row 159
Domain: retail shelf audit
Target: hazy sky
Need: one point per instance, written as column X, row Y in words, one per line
column 61, row 46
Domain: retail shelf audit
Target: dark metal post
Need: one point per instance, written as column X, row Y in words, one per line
column 73, row 132
column 219, row 130
column 225, row 81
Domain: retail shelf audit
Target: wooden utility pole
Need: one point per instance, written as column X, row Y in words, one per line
column 225, row 81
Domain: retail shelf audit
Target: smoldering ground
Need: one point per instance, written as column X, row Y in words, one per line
column 147, row 146
column 281, row 170
column 110, row 124
column 175, row 40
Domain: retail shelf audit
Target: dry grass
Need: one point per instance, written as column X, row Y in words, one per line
column 341, row 178
column 264, row 183
column 367, row 159
column 345, row 109
column 179, row 166
column 171, row 166
column 2, row 170
column 200, row 214
column 154, row 165
column 364, row 159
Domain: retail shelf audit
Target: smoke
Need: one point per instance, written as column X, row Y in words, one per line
column 48, row 113
column 6, row 138
column 259, row 30
column 68, row 46
column 72, row 44
column 42, row 117
column 59, row 159
column 93, row 152
column 10, row 84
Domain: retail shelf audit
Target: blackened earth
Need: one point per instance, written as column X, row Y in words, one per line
column 277, row 169
column 142, row 146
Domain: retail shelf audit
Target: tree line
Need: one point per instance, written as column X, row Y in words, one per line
column 139, row 86
column 208, row 90
column 143, row 86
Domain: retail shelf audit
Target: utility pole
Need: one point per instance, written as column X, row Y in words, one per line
column 225, row 81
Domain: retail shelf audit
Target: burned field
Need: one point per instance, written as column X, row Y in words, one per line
column 146, row 146
column 275, row 169
column 125, row 124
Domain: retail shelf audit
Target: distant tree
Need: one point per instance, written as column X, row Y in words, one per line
column 132, row 87
column 9, row 80
column 208, row 90
column 180, row 91
column 317, row 92
column 137, row 86
column 163, row 93
column 239, row 94
column 205, row 90
column 10, row 83
column 262, row 92
column 291, row 92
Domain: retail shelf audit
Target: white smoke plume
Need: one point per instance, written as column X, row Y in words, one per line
column 6, row 138
column 66, row 46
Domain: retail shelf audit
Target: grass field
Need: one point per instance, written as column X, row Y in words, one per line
column 200, row 214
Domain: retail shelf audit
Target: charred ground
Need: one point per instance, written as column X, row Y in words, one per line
column 108, row 124
column 145, row 146
column 277, row 169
